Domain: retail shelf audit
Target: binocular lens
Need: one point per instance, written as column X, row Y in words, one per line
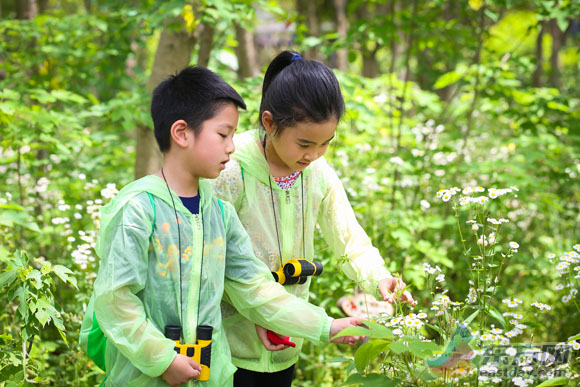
column 173, row 332
column 204, row 332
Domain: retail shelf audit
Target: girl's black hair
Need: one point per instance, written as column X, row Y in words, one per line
column 195, row 94
column 297, row 90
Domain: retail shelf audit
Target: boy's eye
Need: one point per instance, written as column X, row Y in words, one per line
column 223, row 135
column 303, row 146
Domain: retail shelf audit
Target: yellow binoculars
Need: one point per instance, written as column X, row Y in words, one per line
column 297, row 271
column 199, row 352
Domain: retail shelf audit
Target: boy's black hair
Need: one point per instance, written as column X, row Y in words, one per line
column 297, row 90
column 194, row 95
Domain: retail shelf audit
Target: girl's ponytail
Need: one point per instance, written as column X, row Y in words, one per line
column 296, row 90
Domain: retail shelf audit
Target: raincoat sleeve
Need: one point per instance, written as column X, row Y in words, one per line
column 347, row 238
column 229, row 185
column 250, row 288
column 122, row 276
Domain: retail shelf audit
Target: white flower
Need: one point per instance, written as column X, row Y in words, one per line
column 482, row 199
column 565, row 299
column 511, row 351
column 492, row 194
column 514, row 245
column 551, row 255
column 396, row 160
column 559, row 287
column 562, row 266
column 440, row 278
column 425, row 204
column 110, row 191
column 446, row 197
column 397, row 332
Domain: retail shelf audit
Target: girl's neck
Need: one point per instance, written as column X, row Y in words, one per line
column 179, row 180
column 277, row 167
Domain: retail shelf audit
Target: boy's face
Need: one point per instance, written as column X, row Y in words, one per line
column 211, row 148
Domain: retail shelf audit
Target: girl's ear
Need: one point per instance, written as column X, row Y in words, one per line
column 268, row 122
column 179, row 133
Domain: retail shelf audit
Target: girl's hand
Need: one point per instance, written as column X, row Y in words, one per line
column 342, row 323
column 389, row 286
column 270, row 346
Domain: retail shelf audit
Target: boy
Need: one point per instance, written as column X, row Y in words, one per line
column 169, row 249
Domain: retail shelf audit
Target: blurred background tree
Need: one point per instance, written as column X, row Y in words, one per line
column 438, row 94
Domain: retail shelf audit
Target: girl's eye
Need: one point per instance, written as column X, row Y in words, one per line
column 223, row 135
column 303, row 146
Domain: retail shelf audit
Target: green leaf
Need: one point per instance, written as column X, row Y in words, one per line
column 399, row 347
column 493, row 312
column 561, row 381
column 378, row 331
column 576, row 337
column 447, row 79
column 423, row 349
column 368, row 352
column 7, row 278
column 63, row 273
column 353, row 331
column 471, row 317
column 371, row 380
column 34, row 275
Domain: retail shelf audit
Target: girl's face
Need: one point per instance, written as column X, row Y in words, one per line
column 299, row 145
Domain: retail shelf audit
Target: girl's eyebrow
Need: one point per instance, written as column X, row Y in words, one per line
column 312, row 142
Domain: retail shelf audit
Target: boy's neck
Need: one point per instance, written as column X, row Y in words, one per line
column 179, row 180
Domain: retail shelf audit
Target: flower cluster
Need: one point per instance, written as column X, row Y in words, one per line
column 492, row 193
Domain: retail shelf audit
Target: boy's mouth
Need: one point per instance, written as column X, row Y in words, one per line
column 304, row 163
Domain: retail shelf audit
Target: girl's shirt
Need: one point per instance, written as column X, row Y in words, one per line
column 138, row 290
column 245, row 183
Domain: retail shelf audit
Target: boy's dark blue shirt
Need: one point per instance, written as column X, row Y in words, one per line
column 191, row 203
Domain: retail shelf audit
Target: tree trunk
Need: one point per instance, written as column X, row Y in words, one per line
column 341, row 29
column 173, row 53
column 370, row 66
column 308, row 8
column 26, row 9
column 537, row 76
column 42, row 6
column 246, row 53
column 557, row 36
column 205, row 44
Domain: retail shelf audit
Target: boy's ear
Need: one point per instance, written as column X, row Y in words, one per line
column 268, row 122
column 180, row 132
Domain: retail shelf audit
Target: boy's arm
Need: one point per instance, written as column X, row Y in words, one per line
column 251, row 289
column 346, row 237
column 123, row 272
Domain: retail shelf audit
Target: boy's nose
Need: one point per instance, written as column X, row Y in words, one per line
column 230, row 148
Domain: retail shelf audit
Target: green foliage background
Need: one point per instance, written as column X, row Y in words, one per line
column 73, row 91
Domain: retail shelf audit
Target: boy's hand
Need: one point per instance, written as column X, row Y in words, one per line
column 181, row 370
column 343, row 323
column 388, row 286
column 270, row 346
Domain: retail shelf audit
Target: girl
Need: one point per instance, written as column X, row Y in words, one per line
column 281, row 187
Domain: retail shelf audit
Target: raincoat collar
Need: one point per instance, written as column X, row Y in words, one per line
column 251, row 159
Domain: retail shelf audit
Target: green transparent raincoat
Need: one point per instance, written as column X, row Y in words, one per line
column 245, row 183
column 136, row 293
